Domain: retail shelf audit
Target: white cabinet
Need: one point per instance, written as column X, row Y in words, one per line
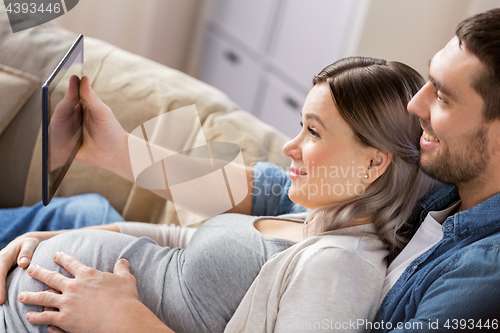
column 281, row 106
column 247, row 20
column 231, row 70
column 265, row 53
column 312, row 35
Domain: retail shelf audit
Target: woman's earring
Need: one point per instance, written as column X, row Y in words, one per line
column 366, row 176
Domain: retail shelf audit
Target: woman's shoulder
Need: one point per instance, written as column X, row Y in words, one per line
column 360, row 245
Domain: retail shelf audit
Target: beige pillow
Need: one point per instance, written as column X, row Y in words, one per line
column 16, row 87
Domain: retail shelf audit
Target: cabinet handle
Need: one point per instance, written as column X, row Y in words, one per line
column 232, row 57
column 291, row 102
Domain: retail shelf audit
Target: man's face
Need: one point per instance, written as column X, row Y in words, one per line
column 454, row 147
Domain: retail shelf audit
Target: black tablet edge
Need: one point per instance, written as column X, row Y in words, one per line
column 46, row 196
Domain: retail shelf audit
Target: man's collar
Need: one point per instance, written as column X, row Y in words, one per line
column 484, row 216
column 440, row 199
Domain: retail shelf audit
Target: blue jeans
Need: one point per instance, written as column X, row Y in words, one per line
column 62, row 213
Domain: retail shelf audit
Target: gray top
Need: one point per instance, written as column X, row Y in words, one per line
column 196, row 289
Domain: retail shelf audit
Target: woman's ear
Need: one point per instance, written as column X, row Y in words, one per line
column 376, row 166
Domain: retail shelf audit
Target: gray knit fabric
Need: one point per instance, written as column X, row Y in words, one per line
column 196, row 289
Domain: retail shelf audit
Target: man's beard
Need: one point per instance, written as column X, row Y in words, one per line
column 465, row 165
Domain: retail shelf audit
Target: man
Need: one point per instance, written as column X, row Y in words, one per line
column 451, row 267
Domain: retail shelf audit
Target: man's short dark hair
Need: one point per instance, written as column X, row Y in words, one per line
column 481, row 35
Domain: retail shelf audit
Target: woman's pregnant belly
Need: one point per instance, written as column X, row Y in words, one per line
column 97, row 249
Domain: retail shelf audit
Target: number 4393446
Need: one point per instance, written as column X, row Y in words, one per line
column 33, row 8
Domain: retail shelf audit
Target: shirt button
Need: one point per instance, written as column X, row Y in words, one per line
column 414, row 267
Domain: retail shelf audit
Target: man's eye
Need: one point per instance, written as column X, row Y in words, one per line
column 301, row 124
column 439, row 98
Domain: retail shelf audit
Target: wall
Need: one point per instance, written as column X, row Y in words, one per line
column 413, row 31
column 162, row 30
column 410, row 31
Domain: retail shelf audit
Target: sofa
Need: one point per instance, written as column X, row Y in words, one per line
column 136, row 89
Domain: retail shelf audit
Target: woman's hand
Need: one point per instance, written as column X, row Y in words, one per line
column 92, row 301
column 64, row 126
column 20, row 252
column 105, row 142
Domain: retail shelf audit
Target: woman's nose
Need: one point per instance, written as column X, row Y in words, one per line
column 292, row 148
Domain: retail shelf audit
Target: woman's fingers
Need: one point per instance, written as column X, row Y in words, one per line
column 7, row 260
column 65, row 107
column 52, row 279
column 91, row 101
column 27, row 249
column 19, row 250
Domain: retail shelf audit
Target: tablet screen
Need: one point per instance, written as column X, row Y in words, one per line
column 61, row 124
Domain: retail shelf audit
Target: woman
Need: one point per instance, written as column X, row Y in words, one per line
column 354, row 164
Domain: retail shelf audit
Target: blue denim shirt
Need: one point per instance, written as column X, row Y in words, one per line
column 455, row 285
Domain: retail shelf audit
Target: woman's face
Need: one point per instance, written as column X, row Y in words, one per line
column 328, row 164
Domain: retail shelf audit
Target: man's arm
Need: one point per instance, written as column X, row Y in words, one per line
column 465, row 296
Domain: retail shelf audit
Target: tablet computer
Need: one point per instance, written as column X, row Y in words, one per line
column 62, row 132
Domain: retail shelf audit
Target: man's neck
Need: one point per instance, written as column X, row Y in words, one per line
column 477, row 191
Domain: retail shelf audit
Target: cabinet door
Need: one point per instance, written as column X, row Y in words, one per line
column 281, row 106
column 311, row 35
column 227, row 68
column 247, row 20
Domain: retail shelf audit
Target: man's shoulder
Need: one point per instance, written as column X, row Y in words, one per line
column 476, row 258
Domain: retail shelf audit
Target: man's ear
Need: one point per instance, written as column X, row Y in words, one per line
column 377, row 165
column 495, row 131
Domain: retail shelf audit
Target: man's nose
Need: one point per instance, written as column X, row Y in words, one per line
column 421, row 102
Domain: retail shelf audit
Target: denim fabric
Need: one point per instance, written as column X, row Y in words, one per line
column 455, row 285
column 62, row 213
column 270, row 191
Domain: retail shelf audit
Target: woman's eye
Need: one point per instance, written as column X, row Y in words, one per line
column 313, row 132
column 301, row 124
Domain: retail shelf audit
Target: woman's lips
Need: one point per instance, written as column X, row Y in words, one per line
column 295, row 173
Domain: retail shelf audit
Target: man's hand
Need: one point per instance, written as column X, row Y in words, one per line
column 92, row 301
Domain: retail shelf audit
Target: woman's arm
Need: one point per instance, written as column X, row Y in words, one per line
column 92, row 301
column 105, row 145
column 169, row 235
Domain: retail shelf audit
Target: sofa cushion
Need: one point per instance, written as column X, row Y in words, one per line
column 35, row 51
column 16, row 87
